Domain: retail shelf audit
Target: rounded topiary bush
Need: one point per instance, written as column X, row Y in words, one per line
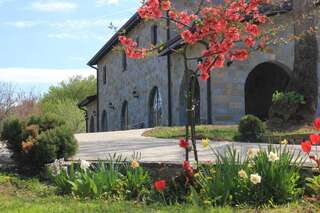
column 38, row 141
column 251, row 128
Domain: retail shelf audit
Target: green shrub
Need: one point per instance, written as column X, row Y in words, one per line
column 284, row 108
column 229, row 182
column 37, row 141
column 251, row 128
column 291, row 97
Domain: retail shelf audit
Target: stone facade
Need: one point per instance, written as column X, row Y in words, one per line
column 222, row 98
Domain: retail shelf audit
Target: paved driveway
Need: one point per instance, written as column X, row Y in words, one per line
column 96, row 146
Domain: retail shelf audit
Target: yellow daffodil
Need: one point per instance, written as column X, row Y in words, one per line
column 272, row 156
column 285, row 141
column 205, row 143
column 242, row 174
column 134, row 164
column 196, row 175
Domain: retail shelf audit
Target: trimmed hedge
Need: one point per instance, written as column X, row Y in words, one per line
column 251, row 129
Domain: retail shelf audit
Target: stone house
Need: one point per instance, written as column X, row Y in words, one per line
column 150, row 92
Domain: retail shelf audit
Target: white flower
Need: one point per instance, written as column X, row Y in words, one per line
column 272, row 156
column 252, row 153
column 242, row 174
column 255, row 178
column 84, row 164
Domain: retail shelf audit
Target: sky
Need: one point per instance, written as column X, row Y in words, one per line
column 43, row 42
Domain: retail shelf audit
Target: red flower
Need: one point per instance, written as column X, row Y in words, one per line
column 252, row 29
column 314, row 138
column 316, row 123
column 187, row 167
column 183, row 143
column 306, row 146
column 160, row 185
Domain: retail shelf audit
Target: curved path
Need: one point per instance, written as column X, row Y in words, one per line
column 95, row 146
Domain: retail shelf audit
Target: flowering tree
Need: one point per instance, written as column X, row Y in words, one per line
column 228, row 31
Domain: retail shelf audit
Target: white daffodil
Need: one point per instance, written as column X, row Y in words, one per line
column 84, row 164
column 255, row 178
column 272, row 156
column 252, row 153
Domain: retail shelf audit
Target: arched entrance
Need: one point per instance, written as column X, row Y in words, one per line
column 261, row 83
column 91, row 126
column 124, row 116
column 182, row 100
column 104, row 121
column 155, row 108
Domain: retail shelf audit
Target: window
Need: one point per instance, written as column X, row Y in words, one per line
column 124, row 61
column 104, row 121
column 124, row 116
column 154, row 34
column 105, row 74
column 91, row 127
column 138, row 41
column 155, row 110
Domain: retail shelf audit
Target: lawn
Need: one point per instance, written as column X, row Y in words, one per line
column 32, row 196
column 222, row 132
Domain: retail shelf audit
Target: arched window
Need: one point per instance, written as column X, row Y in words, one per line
column 104, row 121
column 182, row 100
column 124, row 116
column 91, row 128
column 155, row 107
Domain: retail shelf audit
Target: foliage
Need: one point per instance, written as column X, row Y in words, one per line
column 38, row 141
column 231, row 181
column 68, row 111
column 113, row 179
column 284, row 107
column 62, row 101
column 291, row 97
column 31, row 195
column 251, row 128
column 314, row 184
column 76, row 88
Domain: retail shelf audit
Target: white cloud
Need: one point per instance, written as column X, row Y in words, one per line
column 23, row 24
column 77, row 36
column 106, row 2
column 53, row 6
column 38, row 75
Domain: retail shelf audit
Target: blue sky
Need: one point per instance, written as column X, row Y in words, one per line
column 45, row 41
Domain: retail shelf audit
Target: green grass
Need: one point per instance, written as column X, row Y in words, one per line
column 32, row 196
column 213, row 132
column 221, row 132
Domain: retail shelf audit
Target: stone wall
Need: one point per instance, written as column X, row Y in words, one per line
column 227, row 85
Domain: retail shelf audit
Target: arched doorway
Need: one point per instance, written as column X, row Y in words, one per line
column 155, row 108
column 124, row 116
column 182, row 100
column 91, row 127
column 104, row 121
column 261, row 83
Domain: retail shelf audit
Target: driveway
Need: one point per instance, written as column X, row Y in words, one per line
column 94, row 146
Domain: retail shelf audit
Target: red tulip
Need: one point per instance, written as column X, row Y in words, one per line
column 187, row 167
column 306, row 146
column 183, row 143
column 314, row 138
column 316, row 123
column 160, row 185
